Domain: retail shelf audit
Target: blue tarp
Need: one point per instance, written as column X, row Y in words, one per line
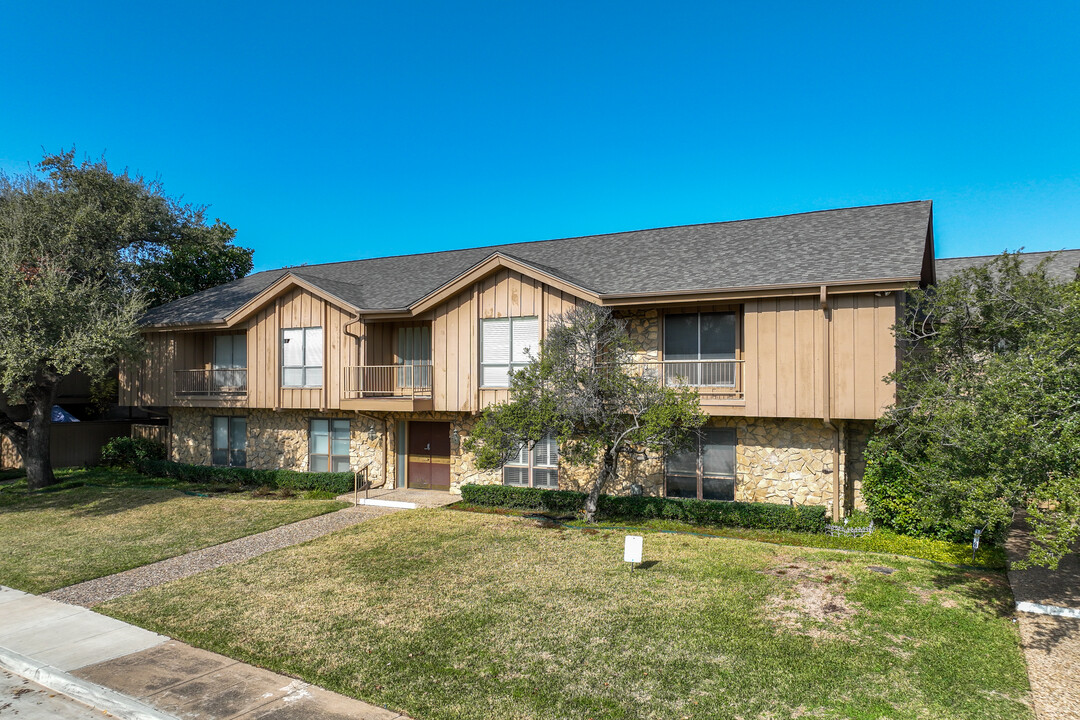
column 59, row 414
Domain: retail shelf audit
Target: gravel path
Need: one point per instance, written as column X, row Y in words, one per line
column 1051, row 644
column 99, row 590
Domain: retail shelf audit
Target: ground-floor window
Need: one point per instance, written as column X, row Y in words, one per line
column 328, row 445
column 538, row 467
column 707, row 470
column 229, row 446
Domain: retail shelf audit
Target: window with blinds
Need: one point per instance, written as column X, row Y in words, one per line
column 506, row 344
column 302, row 357
column 538, row 467
column 706, row 470
column 328, row 445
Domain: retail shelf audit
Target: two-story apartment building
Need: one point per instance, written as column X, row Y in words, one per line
column 782, row 324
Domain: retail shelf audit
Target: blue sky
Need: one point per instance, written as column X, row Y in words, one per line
column 330, row 131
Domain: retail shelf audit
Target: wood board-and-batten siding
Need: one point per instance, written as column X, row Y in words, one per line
column 781, row 340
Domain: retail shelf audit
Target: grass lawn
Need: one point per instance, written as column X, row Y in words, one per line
column 445, row 614
column 98, row 522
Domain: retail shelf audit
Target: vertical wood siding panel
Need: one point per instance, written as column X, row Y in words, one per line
column 885, row 352
column 767, row 356
column 865, row 382
column 842, row 346
column 752, row 353
column 513, row 295
column 441, row 354
column 805, row 348
column 785, row 357
column 467, row 360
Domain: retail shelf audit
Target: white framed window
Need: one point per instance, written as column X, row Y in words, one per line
column 229, row 445
column 328, row 445
column 538, row 467
column 302, row 357
column 505, row 346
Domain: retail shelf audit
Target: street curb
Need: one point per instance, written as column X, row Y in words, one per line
column 1056, row 610
column 86, row 692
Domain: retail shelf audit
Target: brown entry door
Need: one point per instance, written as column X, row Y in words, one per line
column 429, row 455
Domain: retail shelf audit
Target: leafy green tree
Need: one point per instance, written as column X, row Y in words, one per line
column 987, row 417
column 583, row 389
column 83, row 250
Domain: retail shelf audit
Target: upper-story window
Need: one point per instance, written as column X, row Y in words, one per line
column 505, row 346
column 230, row 361
column 414, row 357
column 302, row 357
column 695, row 346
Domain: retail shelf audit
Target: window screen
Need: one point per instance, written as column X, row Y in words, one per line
column 506, row 345
column 302, row 357
column 229, row 444
column 706, row 470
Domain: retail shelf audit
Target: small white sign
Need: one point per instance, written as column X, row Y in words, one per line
column 632, row 551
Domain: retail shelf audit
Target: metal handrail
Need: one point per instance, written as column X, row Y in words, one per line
column 367, row 483
column 214, row 381
column 404, row 380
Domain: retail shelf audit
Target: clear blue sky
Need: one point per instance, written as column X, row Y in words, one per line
column 328, row 133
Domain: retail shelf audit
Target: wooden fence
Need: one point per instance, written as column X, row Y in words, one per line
column 72, row 444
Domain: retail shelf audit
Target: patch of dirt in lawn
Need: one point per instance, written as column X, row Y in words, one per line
column 814, row 603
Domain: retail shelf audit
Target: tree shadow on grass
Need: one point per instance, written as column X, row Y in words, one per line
column 990, row 590
column 82, row 500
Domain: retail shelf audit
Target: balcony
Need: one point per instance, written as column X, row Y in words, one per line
column 216, row 383
column 387, row 387
column 719, row 382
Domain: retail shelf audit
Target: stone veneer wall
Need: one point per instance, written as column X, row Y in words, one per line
column 777, row 460
column 275, row 440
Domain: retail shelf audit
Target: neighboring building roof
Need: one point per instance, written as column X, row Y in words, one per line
column 1063, row 265
column 879, row 242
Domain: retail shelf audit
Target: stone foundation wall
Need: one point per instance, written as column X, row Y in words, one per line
column 275, row 440
column 777, row 460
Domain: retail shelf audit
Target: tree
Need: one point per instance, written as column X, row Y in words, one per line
column 987, row 417
column 582, row 389
column 82, row 251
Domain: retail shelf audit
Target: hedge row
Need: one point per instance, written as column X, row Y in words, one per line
column 330, row 482
column 765, row 516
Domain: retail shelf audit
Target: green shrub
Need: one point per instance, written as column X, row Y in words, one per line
column 767, row 516
column 127, row 451
column 336, row 483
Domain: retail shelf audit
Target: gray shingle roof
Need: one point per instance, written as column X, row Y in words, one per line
column 879, row 242
column 1062, row 267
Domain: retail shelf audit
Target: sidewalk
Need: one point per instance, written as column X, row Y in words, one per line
column 1051, row 642
column 131, row 673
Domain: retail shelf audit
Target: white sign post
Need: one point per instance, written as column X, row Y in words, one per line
column 632, row 550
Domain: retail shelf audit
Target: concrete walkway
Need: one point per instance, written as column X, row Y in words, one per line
column 1051, row 642
column 127, row 672
column 99, row 590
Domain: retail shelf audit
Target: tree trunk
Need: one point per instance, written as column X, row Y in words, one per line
column 607, row 470
column 36, row 453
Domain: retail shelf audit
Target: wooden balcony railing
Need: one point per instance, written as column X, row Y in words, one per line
column 390, row 381
column 210, row 383
column 715, row 380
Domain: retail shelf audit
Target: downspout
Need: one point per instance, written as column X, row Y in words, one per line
column 826, row 399
column 385, row 422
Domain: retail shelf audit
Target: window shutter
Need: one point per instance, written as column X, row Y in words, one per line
column 526, row 339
